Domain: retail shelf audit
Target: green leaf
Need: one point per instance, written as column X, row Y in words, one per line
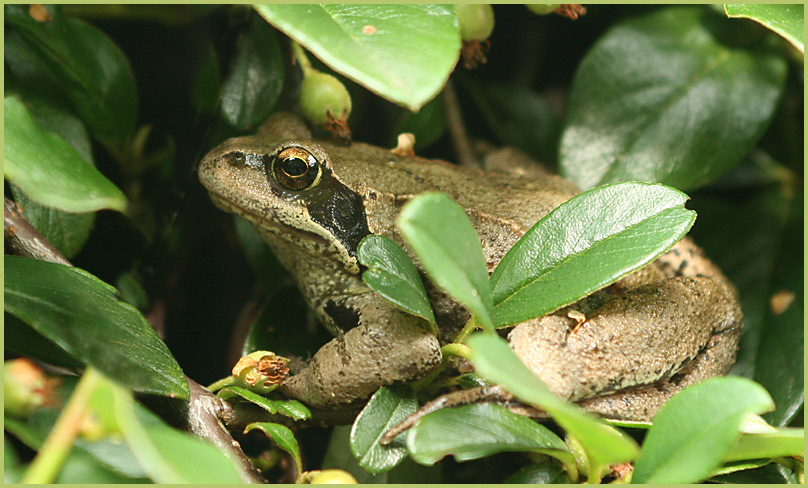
column 254, row 83
column 786, row 20
column 538, row 474
column 494, row 360
column 780, row 360
column 767, row 445
column 665, row 98
column 22, row 339
column 393, row 275
column 43, row 96
column 282, row 436
column 385, row 409
column 403, row 53
column 66, row 231
column 289, row 408
column 166, row 454
column 91, row 70
column 440, row 234
column 697, row 428
column 584, row 244
column 48, row 170
column 480, row 430
column 83, row 315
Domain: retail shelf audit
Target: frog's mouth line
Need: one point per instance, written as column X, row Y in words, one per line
column 265, row 226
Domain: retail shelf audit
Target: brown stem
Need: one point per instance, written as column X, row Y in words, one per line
column 457, row 129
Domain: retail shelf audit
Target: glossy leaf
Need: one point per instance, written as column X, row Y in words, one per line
column 254, row 83
column 662, row 98
column 48, row 170
column 66, row 231
column 22, row 339
column 786, row 20
column 289, row 408
column 440, row 234
column 403, row 53
column 768, row 445
column 780, row 360
column 91, row 70
column 494, row 360
column 83, row 316
column 282, row 436
column 392, row 274
column 480, row 430
column 385, row 409
column 696, row 429
column 585, row 244
column 166, row 454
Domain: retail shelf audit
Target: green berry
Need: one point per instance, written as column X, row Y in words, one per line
column 331, row 477
column 543, row 8
column 476, row 21
column 321, row 94
column 25, row 387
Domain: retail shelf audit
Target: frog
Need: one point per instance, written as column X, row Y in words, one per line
column 621, row 352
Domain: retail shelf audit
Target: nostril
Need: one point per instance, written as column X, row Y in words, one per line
column 235, row 158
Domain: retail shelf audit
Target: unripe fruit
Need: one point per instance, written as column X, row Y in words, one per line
column 321, row 93
column 543, row 8
column 476, row 21
column 331, row 477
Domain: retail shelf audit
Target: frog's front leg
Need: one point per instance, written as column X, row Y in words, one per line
column 645, row 344
column 387, row 346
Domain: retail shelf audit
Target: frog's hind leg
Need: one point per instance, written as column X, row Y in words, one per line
column 668, row 333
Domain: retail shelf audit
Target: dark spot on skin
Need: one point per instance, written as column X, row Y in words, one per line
column 683, row 266
column 340, row 211
column 344, row 316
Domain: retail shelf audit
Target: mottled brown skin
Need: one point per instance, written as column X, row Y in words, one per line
column 642, row 339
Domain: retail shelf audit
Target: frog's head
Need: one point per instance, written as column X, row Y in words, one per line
column 283, row 183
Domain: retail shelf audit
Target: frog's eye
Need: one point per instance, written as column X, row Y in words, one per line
column 296, row 169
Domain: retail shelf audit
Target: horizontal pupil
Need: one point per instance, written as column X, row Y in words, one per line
column 295, row 167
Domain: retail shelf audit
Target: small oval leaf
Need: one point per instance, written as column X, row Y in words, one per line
column 696, row 429
column 254, row 84
column 403, row 53
column 661, row 98
column 586, row 243
column 48, row 170
column 385, row 409
column 479, row 430
column 83, row 316
column 282, row 436
column 439, row 232
column 393, row 275
column 289, row 408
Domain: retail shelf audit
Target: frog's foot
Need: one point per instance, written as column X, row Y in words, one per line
column 492, row 393
column 351, row 367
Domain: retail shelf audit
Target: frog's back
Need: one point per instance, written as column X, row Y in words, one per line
column 501, row 206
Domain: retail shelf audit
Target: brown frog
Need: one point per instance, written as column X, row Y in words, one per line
column 621, row 352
